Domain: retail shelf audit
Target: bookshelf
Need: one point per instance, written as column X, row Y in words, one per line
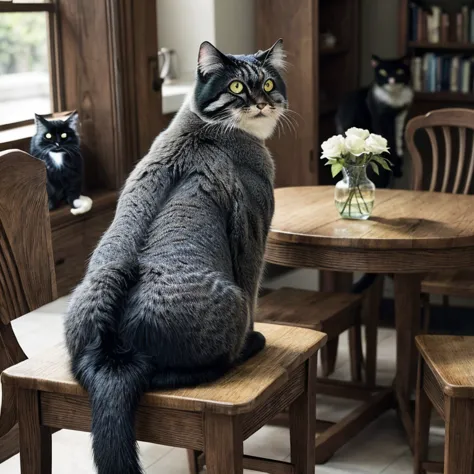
column 439, row 37
column 449, row 46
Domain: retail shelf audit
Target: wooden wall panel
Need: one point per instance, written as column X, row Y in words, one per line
column 86, row 59
column 295, row 153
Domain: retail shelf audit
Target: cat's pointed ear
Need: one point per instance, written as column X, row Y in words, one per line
column 375, row 61
column 41, row 123
column 275, row 56
column 210, row 59
column 73, row 120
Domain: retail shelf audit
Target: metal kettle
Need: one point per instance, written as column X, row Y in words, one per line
column 168, row 68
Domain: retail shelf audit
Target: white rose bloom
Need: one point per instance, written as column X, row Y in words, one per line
column 355, row 145
column 334, row 147
column 357, row 132
column 376, row 144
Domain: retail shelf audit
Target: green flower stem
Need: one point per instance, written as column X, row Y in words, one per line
column 363, row 200
column 348, row 200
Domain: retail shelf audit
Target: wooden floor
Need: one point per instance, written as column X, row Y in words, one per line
column 381, row 448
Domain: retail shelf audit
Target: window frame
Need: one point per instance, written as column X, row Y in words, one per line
column 55, row 70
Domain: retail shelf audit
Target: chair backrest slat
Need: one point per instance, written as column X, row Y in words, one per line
column 437, row 124
column 461, row 158
column 469, row 172
column 447, row 166
column 435, row 154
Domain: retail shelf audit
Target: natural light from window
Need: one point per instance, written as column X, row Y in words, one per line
column 25, row 87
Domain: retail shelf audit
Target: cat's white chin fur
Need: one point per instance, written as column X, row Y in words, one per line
column 262, row 127
column 81, row 205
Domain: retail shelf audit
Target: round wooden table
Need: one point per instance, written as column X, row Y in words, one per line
column 409, row 234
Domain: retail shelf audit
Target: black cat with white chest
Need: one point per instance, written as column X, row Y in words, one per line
column 381, row 108
column 56, row 143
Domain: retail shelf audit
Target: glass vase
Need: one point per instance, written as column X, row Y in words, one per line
column 355, row 193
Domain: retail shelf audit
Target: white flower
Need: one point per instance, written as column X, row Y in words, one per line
column 334, row 147
column 357, row 132
column 376, row 144
column 355, row 145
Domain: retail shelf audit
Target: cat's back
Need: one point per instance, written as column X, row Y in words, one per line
column 214, row 175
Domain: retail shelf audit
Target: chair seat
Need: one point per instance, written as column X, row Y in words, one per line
column 451, row 359
column 238, row 392
column 450, row 283
column 331, row 313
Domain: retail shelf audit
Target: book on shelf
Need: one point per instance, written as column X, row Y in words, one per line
column 443, row 73
column 434, row 25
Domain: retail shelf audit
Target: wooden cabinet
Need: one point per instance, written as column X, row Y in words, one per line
column 75, row 237
column 318, row 76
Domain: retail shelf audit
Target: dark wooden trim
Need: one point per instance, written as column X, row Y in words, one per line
column 23, row 123
column 264, row 465
column 346, row 389
column 55, row 66
column 26, row 7
column 434, row 467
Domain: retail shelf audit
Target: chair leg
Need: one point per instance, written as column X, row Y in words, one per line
column 426, row 303
column 370, row 317
column 303, row 424
column 355, row 349
column 459, row 443
column 445, row 304
column 224, row 445
column 35, row 440
column 422, row 423
column 193, row 461
column 329, row 357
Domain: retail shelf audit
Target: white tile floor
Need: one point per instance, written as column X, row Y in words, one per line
column 381, row 448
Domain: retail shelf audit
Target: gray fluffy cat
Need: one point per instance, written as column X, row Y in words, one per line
column 169, row 296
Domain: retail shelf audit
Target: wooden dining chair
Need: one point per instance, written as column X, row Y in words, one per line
column 441, row 145
column 445, row 383
column 215, row 418
column 27, row 278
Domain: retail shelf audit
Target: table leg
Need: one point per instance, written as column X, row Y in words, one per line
column 407, row 322
column 332, row 281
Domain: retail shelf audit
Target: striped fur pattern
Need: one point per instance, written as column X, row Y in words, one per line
column 253, row 110
column 169, row 295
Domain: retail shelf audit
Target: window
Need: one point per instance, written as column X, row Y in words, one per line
column 28, row 68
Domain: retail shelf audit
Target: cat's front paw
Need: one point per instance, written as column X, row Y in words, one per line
column 81, row 205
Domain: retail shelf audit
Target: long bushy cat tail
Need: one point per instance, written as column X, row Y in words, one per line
column 114, row 377
column 115, row 382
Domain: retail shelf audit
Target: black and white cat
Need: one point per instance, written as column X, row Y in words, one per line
column 381, row 108
column 56, row 143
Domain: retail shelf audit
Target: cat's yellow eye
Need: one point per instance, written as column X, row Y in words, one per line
column 64, row 135
column 383, row 72
column 400, row 72
column 269, row 85
column 236, row 87
column 48, row 136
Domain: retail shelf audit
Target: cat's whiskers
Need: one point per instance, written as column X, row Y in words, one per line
column 288, row 121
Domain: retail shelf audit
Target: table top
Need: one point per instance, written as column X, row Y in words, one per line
column 400, row 220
